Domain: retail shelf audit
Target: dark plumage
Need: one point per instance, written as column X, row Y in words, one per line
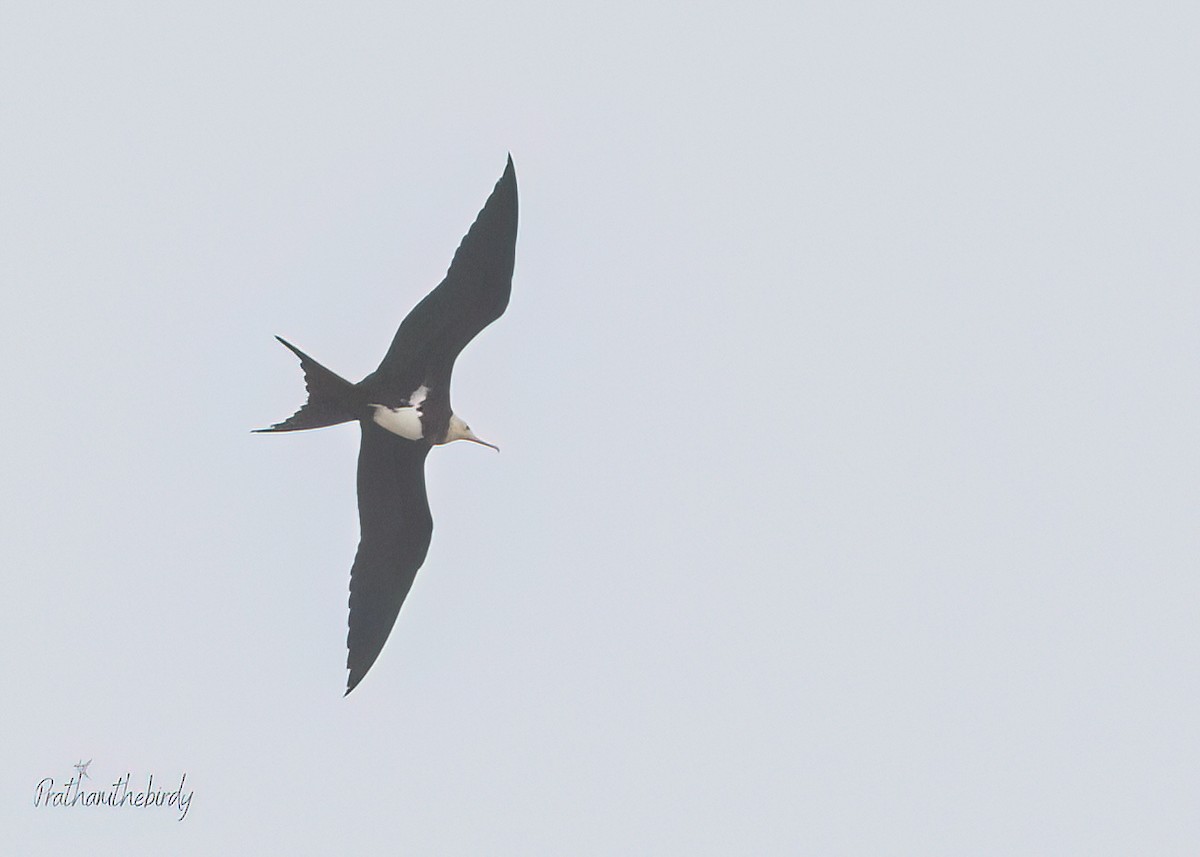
column 403, row 408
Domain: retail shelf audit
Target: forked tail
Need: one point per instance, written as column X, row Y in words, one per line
column 330, row 397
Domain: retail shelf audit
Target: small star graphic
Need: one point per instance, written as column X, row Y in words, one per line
column 81, row 769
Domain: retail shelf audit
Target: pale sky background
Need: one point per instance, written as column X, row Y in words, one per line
column 848, row 403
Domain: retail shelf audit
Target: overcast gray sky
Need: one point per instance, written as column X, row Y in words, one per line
column 847, row 397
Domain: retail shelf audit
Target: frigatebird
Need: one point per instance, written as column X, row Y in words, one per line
column 403, row 409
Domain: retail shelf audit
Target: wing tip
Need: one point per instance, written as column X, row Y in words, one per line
column 353, row 679
column 509, row 176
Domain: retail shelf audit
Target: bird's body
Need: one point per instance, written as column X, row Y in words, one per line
column 403, row 409
column 404, row 420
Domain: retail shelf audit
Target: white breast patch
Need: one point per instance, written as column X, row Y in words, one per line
column 404, row 420
column 418, row 396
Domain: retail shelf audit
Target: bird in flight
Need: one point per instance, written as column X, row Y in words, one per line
column 403, row 410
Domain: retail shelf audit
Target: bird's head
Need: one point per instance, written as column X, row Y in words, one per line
column 459, row 430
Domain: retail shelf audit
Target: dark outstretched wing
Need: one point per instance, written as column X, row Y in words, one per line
column 473, row 294
column 396, row 526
